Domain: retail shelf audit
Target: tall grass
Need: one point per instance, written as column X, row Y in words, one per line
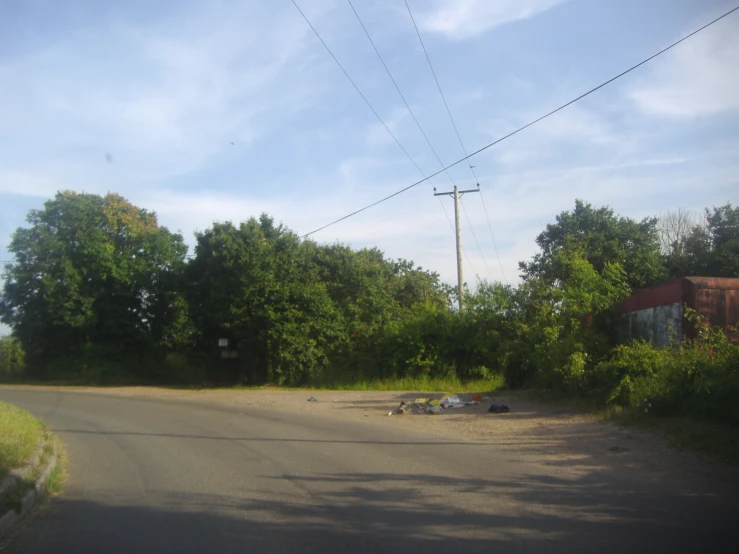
column 20, row 434
column 421, row 384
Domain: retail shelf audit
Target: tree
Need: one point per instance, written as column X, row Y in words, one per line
column 603, row 239
column 680, row 233
column 564, row 327
column 91, row 271
column 708, row 247
column 258, row 286
column 723, row 228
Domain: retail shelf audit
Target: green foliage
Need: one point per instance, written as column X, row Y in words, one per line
column 723, row 228
column 12, row 359
column 563, row 326
column 417, row 344
column 257, row 286
column 20, row 435
column 709, row 249
column 91, row 271
column 296, row 310
column 603, row 239
column 428, row 384
column 700, row 378
column 100, row 294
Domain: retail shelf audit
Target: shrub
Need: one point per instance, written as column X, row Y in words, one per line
column 12, row 359
column 699, row 378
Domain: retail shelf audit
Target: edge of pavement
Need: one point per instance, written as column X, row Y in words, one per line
column 12, row 516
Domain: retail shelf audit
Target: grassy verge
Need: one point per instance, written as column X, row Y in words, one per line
column 20, row 435
column 55, row 482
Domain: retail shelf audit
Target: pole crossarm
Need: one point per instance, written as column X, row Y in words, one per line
column 460, row 192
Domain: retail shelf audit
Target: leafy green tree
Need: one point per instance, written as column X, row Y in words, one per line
column 723, row 228
column 602, row 238
column 708, row 248
column 91, row 272
column 563, row 328
column 258, row 286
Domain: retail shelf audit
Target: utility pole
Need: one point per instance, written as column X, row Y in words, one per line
column 457, row 194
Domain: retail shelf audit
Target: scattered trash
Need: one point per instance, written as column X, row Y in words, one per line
column 312, row 399
column 434, row 405
column 400, row 410
column 452, row 401
column 498, row 409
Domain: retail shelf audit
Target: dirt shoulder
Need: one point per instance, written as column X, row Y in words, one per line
column 556, row 435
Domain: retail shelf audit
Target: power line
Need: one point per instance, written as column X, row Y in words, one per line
column 492, row 236
column 398, row 89
column 469, row 223
column 428, row 59
column 428, row 141
column 360, row 92
column 509, row 135
column 461, row 142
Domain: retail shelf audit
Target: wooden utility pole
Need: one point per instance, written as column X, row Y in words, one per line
column 457, row 194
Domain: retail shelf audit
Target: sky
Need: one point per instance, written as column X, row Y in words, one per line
column 222, row 110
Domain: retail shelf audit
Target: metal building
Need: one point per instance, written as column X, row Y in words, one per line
column 657, row 313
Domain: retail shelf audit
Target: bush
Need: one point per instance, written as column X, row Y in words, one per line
column 12, row 359
column 700, row 378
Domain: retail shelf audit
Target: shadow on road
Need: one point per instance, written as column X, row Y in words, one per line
column 380, row 512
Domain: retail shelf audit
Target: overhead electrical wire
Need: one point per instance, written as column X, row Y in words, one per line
column 346, row 74
column 418, row 124
column 461, row 143
column 512, row 133
column 474, row 236
column 398, row 89
column 492, row 236
column 375, row 112
column 438, row 85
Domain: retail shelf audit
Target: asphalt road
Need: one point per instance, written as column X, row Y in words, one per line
column 160, row 476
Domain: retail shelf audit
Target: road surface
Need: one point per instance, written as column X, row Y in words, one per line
column 162, row 475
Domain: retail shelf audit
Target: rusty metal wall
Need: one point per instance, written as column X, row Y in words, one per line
column 656, row 313
column 668, row 292
column 716, row 299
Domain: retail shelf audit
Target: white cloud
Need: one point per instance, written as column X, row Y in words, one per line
column 461, row 19
column 698, row 77
column 164, row 101
column 575, row 126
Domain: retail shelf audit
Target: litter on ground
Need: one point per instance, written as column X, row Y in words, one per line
column 437, row 405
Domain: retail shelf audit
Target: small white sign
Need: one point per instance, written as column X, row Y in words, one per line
column 222, row 342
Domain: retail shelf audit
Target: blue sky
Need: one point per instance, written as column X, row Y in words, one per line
column 164, row 88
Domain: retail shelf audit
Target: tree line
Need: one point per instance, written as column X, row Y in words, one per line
column 100, row 292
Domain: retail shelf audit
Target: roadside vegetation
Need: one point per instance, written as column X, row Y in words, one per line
column 101, row 294
column 20, row 436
